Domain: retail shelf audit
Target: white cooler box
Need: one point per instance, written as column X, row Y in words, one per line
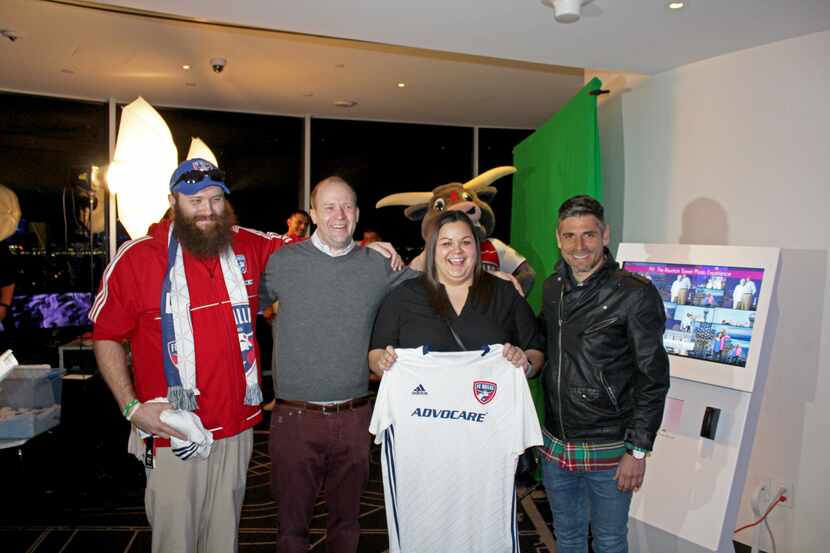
column 30, row 401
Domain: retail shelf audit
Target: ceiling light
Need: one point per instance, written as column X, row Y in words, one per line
column 345, row 103
column 401, row 85
column 186, row 67
column 676, row 5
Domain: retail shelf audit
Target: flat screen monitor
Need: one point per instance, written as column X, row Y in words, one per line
column 710, row 309
column 54, row 310
column 717, row 299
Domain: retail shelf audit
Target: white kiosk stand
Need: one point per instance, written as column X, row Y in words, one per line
column 694, row 481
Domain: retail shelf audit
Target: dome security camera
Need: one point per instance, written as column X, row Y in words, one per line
column 566, row 11
column 218, row 64
column 10, row 34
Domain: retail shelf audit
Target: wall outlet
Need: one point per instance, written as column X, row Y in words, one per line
column 789, row 491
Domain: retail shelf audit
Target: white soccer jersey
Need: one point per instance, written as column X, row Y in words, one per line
column 452, row 427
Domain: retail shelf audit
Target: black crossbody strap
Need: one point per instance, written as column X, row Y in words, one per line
column 455, row 336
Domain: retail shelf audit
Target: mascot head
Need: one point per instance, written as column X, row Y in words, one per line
column 471, row 197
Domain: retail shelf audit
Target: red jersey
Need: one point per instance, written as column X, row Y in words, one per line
column 498, row 256
column 127, row 307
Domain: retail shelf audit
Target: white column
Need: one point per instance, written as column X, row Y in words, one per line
column 113, row 221
column 475, row 151
column 306, row 199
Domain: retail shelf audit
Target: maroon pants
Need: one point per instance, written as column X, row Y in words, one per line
column 309, row 450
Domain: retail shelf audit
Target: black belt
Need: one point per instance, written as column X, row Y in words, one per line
column 326, row 407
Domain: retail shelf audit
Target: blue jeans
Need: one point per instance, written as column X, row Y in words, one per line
column 577, row 497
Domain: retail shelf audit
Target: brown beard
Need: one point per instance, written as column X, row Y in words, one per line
column 204, row 243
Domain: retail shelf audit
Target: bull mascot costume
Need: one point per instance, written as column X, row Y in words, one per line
column 472, row 198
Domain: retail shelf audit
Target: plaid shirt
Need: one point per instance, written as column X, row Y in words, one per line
column 583, row 457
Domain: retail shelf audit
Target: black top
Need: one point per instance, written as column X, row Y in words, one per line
column 407, row 320
column 608, row 373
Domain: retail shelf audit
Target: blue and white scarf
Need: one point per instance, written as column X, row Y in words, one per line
column 178, row 349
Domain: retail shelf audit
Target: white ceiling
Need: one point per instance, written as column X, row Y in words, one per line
column 486, row 62
column 640, row 36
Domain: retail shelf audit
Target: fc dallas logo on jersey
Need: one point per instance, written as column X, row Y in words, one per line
column 484, row 391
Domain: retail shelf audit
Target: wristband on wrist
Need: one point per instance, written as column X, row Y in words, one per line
column 6, row 305
column 637, row 452
column 131, row 408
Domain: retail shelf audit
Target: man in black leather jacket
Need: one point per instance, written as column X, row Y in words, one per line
column 605, row 382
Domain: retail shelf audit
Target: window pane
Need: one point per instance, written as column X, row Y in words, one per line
column 261, row 155
column 495, row 148
column 45, row 147
column 379, row 159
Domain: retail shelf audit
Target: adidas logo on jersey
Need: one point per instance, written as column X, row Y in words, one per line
column 420, row 390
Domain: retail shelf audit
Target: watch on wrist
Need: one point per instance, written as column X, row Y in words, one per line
column 638, row 454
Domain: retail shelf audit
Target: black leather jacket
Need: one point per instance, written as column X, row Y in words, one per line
column 607, row 372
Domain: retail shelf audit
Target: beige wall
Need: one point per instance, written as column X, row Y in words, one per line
column 736, row 150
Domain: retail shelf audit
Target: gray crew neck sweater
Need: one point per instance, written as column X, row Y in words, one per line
column 327, row 310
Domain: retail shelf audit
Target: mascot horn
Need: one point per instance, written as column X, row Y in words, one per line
column 472, row 198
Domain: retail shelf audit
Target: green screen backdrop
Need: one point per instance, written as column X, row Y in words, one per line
column 559, row 160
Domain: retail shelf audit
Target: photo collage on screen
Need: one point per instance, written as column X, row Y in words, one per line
column 710, row 310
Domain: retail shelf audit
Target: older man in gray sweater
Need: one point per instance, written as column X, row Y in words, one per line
column 329, row 291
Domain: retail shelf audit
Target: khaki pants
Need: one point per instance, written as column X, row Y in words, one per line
column 194, row 506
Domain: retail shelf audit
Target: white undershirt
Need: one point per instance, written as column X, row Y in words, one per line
column 323, row 247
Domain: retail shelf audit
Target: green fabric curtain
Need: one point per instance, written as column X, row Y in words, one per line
column 559, row 160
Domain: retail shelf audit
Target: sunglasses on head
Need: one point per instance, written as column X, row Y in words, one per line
column 192, row 177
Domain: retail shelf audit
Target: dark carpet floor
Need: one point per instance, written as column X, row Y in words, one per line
column 71, row 507
column 75, row 489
